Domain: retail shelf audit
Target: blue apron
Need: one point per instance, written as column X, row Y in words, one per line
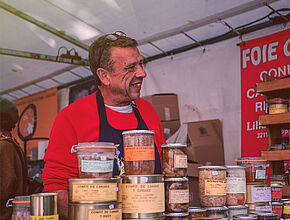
column 109, row 134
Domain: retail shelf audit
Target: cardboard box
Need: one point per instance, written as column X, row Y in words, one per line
column 170, row 127
column 165, row 104
column 192, row 171
column 205, row 142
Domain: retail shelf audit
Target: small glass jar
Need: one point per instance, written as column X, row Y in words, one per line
column 277, row 105
column 277, row 207
column 236, row 185
column 174, row 160
column 217, row 212
column 279, row 179
column 245, row 216
column 176, row 194
column 286, row 209
column 277, row 147
column 276, row 192
column 196, row 212
column 176, row 216
column 212, row 186
column 21, row 207
column 255, row 169
column 236, row 210
column 267, row 215
column 139, row 152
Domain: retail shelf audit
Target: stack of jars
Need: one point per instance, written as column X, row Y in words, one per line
column 174, row 168
column 258, row 196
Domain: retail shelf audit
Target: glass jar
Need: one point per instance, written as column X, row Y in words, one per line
column 236, row 210
column 255, row 169
column 245, row 216
column 196, row 212
column 277, row 207
column 217, row 212
column 139, row 152
column 258, row 193
column 259, row 206
column 277, row 147
column 176, row 194
column 212, row 186
column 286, row 209
column 277, row 179
column 176, row 216
column 21, row 207
column 276, row 192
column 236, row 185
column 174, row 160
column 267, row 215
column 277, row 105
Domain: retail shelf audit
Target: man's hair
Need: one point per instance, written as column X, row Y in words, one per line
column 8, row 115
column 106, row 61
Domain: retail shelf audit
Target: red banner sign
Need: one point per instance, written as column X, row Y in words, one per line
column 264, row 56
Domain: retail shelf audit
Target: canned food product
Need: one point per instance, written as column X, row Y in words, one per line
column 236, row 185
column 255, row 169
column 95, row 159
column 174, row 160
column 277, row 105
column 176, row 216
column 276, row 192
column 139, row 152
column 212, row 185
column 236, row 210
column 217, row 212
column 258, row 193
column 267, row 215
column 44, row 204
column 286, row 209
column 20, row 207
column 196, row 212
column 245, row 216
column 277, row 207
column 176, row 194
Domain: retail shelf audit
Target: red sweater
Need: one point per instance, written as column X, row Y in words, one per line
column 79, row 122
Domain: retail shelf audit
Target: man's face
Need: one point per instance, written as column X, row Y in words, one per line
column 127, row 75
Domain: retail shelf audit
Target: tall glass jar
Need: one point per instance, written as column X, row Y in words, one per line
column 21, row 207
column 236, row 185
column 255, row 169
column 212, row 185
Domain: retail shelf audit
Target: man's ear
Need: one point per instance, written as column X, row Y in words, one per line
column 103, row 76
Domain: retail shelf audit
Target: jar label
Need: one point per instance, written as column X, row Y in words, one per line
column 261, row 194
column 180, row 161
column 98, row 192
column 97, row 166
column 139, row 153
column 267, row 208
column 236, row 185
column 276, row 194
column 108, row 214
column 215, row 187
column 179, row 196
column 260, row 174
column 286, row 209
column 143, row 198
column 48, row 217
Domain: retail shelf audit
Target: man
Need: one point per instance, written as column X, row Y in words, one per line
column 13, row 169
column 102, row 117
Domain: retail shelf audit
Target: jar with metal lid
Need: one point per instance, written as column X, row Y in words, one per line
column 139, row 152
column 196, row 212
column 276, row 192
column 212, row 185
column 217, row 212
column 21, row 207
column 176, row 194
column 277, row 105
column 277, row 207
column 236, row 185
column 245, row 216
column 286, row 209
column 236, row 210
column 174, row 160
column 267, row 215
column 255, row 169
column 176, row 216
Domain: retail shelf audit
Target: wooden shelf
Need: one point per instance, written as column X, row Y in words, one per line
column 275, row 88
column 282, row 118
column 286, row 190
column 276, row 155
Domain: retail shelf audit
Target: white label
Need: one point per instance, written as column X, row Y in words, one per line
column 97, row 166
column 179, row 196
column 167, row 113
column 264, row 208
column 214, row 173
column 261, row 194
column 261, row 174
column 236, row 185
column 180, row 161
